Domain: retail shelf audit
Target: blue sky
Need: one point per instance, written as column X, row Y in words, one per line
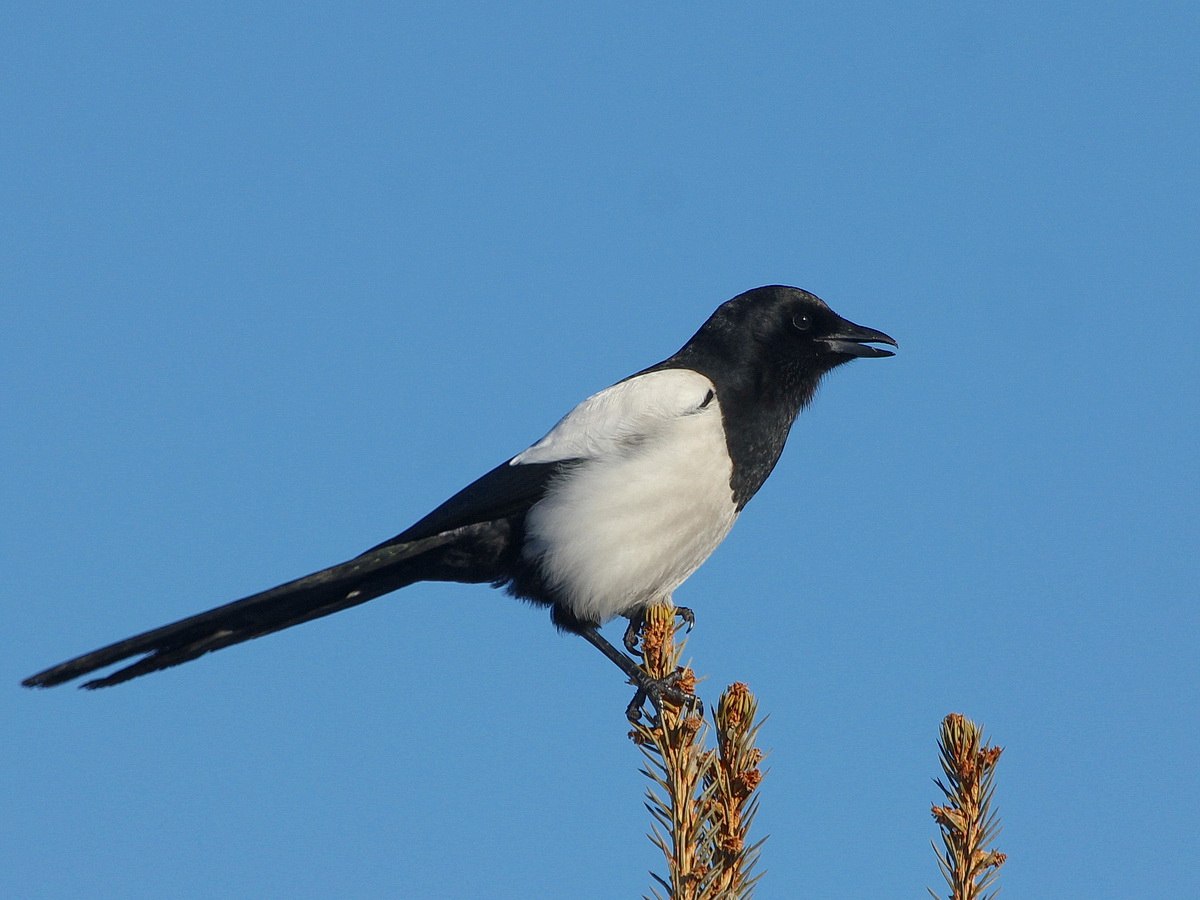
column 277, row 280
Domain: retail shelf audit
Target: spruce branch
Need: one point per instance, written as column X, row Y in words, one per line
column 676, row 762
column 731, row 781
column 702, row 801
column 967, row 821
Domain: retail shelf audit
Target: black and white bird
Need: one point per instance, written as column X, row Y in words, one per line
column 603, row 517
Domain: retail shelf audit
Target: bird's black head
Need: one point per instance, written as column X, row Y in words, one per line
column 782, row 333
column 766, row 351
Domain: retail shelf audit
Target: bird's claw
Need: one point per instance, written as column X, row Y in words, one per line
column 632, row 632
column 656, row 690
column 631, row 638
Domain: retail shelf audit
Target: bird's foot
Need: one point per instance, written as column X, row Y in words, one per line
column 632, row 636
column 677, row 689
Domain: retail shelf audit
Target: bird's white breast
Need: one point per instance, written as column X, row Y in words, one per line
column 630, row 522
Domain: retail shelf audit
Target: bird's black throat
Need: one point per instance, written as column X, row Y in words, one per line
column 758, row 414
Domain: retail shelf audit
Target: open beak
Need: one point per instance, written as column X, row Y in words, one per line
column 855, row 340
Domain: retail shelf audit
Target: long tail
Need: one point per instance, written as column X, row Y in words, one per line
column 470, row 554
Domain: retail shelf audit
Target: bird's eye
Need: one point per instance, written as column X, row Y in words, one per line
column 802, row 321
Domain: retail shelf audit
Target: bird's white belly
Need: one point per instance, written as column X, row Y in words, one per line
column 621, row 532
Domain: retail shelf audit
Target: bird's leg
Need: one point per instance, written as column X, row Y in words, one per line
column 653, row 689
column 638, row 619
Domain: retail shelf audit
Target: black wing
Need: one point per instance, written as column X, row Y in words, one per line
column 508, row 490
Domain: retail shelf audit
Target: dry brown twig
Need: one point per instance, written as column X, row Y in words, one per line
column 733, row 779
column 967, row 822
column 702, row 800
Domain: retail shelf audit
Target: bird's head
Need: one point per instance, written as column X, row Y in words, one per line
column 785, row 329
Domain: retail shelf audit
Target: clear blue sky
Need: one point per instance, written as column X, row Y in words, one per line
column 276, row 280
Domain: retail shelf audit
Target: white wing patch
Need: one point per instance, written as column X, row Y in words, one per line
column 625, row 414
column 648, row 503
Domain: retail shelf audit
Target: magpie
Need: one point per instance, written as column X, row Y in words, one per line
column 603, row 517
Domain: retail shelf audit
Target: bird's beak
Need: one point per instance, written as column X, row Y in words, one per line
column 854, row 340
